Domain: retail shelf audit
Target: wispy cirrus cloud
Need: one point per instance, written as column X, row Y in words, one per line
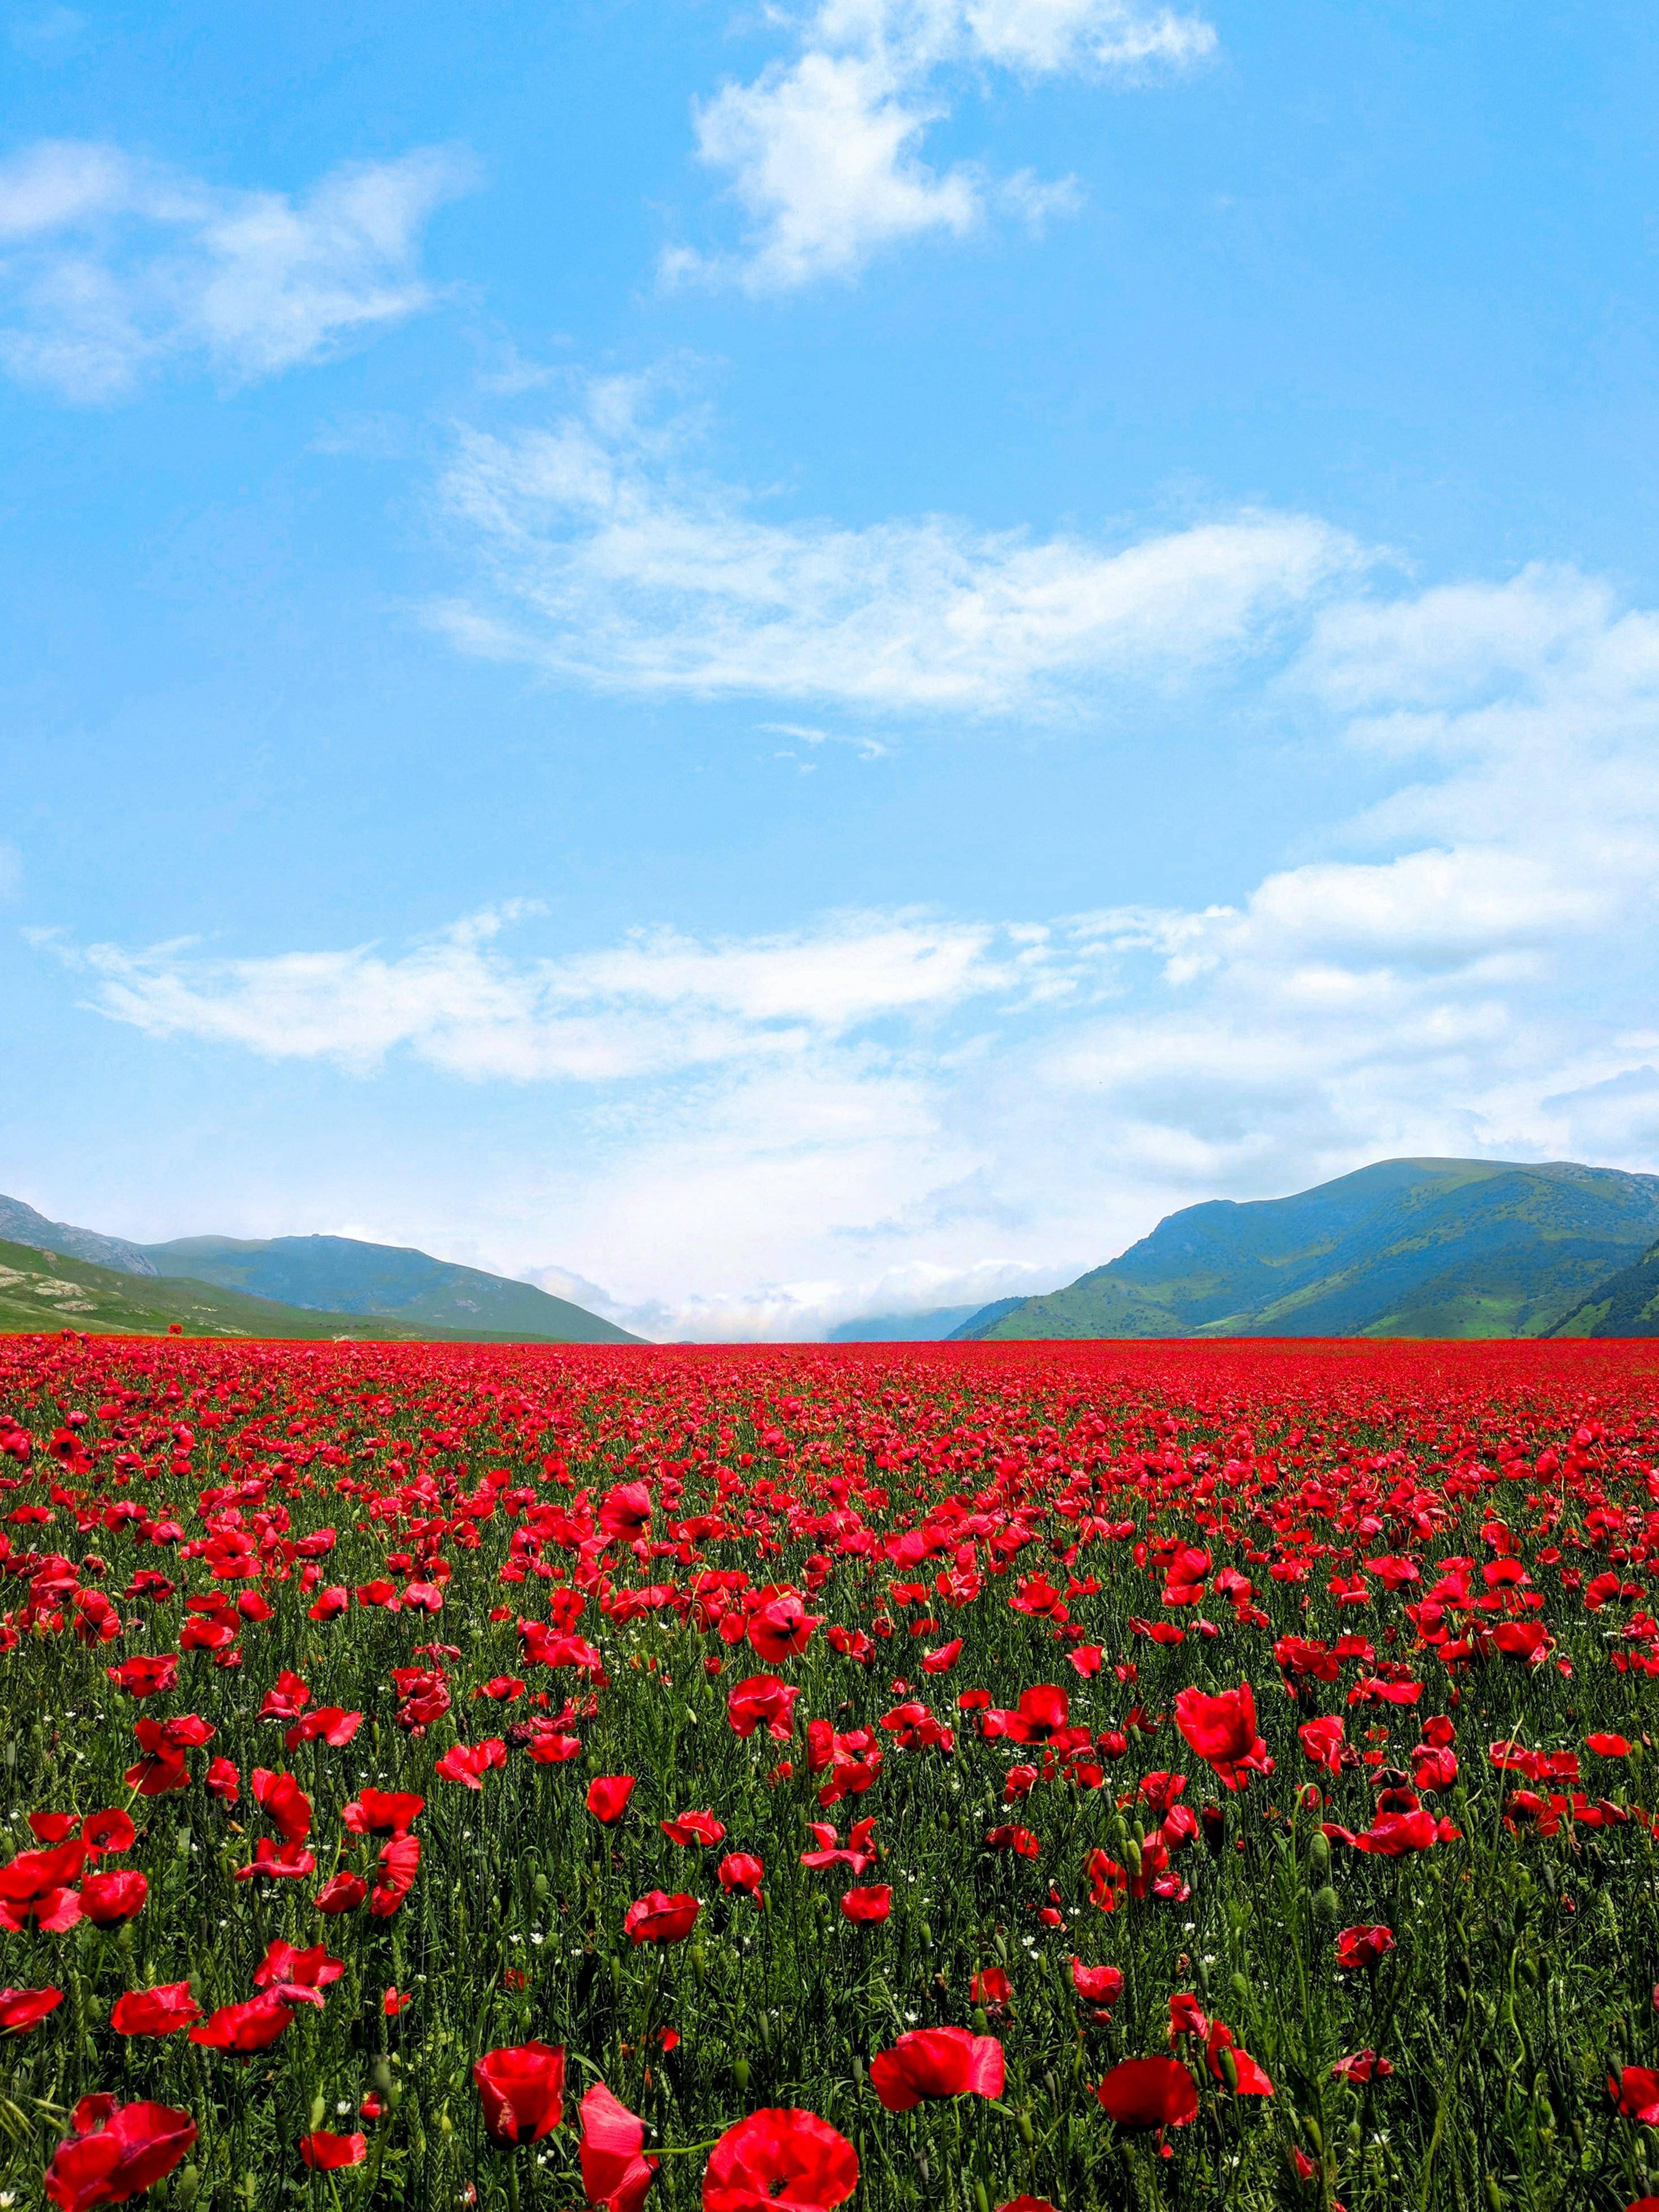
column 824, row 151
column 111, row 265
column 601, row 554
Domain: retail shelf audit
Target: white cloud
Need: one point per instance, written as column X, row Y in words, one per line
column 824, row 151
column 606, row 559
column 110, row 266
column 768, row 1135
column 658, row 1004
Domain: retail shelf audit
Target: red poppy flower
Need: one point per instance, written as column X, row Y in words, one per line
column 342, row 1892
column 614, row 2173
column 284, row 1966
column 693, row 1828
column 327, row 2153
column 1635, row 2091
column 860, row 1905
column 332, row 1724
column 117, row 2151
column 1363, row 1945
column 522, row 2091
column 741, row 1870
column 383, row 1811
column 991, row 1988
column 1096, row 1985
column 279, row 1862
column 657, row 1918
column 254, row 2025
column 1608, row 1747
column 942, row 1661
column 780, row 1629
column 284, row 1804
column 146, row 1673
column 761, row 1697
column 223, row 1781
column 22, row 2009
column 163, row 2010
column 1249, row 2080
column 400, row 1862
column 1222, row 1731
column 608, row 1796
column 937, row 2061
column 779, row 2159
column 108, row 1832
column 109, row 1899
column 1363, row 2066
column 1148, row 2093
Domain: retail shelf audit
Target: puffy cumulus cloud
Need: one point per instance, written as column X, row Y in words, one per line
column 110, row 265
column 824, row 150
column 604, row 557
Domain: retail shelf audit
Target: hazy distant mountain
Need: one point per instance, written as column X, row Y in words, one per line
column 22, row 1224
column 1405, row 1247
column 340, row 1274
column 1626, row 1304
column 930, row 1328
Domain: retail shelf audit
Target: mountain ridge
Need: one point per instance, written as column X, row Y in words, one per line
column 337, row 1276
column 1432, row 1248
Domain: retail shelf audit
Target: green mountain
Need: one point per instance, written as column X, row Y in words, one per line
column 1626, row 1304
column 1404, row 1247
column 22, row 1224
column 44, row 1291
column 341, row 1275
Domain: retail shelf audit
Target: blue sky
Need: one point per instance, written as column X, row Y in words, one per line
column 775, row 663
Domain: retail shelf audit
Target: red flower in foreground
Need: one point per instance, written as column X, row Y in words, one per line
column 1096, row 1985
column 779, row 2159
column 657, row 1918
column 522, row 2091
column 1222, row 1731
column 1148, row 2093
column 108, row 1900
column 693, row 1828
column 608, row 1796
column 741, row 1870
column 1636, row 2092
column 327, row 2153
column 383, row 1811
column 1363, row 1946
column 22, row 2009
column 937, row 2061
column 117, row 2151
column 614, row 2173
column 761, row 1697
column 874, row 1902
column 253, row 2025
column 342, row 1892
column 163, row 2010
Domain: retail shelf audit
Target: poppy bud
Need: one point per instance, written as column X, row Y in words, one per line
column 543, row 1888
column 1494, row 2195
column 318, row 2107
column 981, row 2201
column 1241, row 1989
column 1355, row 2138
column 446, row 2125
column 926, row 1934
column 1327, row 1906
column 1027, row 2133
column 740, row 2073
column 1132, row 1852
column 1319, row 1858
column 188, row 2186
column 1314, row 2135
column 381, row 2075
column 1229, row 2068
column 982, row 2022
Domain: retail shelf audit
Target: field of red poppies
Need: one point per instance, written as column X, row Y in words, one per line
column 1157, row 1775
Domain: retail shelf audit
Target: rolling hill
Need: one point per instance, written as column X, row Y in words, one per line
column 1404, row 1247
column 342, row 1274
column 340, row 1279
column 43, row 1291
column 1626, row 1304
